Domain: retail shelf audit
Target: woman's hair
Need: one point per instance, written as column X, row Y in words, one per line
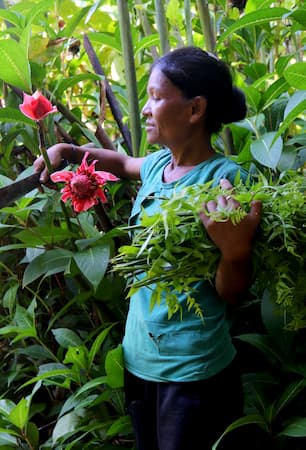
column 196, row 72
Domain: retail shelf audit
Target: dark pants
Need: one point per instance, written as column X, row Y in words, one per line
column 185, row 416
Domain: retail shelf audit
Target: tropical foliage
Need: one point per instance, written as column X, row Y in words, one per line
column 62, row 307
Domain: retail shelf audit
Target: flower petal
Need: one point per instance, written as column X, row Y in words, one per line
column 106, row 175
column 63, row 175
column 100, row 193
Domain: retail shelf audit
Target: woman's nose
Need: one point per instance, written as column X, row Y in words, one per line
column 146, row 109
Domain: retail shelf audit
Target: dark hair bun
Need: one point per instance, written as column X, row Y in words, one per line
column 237, row 107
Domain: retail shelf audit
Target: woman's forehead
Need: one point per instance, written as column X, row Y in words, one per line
column 158, row 80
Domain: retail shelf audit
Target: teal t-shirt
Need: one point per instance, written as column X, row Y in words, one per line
column 159, row 349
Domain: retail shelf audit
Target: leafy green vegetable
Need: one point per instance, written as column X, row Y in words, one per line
column 172, row 250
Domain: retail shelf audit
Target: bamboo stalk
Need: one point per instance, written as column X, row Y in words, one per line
column 146, row 26
column 161, row 22
column 188, row 22
column 130, row 74
column 209, row 35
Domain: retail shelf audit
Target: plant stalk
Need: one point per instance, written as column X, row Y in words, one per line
column 161, row 22
column 130, row 73
column 209, row 35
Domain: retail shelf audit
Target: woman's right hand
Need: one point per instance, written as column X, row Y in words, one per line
column 55, row 154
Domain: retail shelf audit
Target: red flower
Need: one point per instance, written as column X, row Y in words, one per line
column 36, row 106
column 83, row 187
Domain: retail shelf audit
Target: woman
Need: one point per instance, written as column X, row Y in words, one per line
column 182, row 388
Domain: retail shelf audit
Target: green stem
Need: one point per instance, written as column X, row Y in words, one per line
column 130, row 73
column 161, row 22
column 209, row 35
column 188, row 22
column 42, row 145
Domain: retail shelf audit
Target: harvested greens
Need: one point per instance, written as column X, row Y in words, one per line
column 172, row 250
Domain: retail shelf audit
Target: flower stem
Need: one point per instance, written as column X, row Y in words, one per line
column 42, row 145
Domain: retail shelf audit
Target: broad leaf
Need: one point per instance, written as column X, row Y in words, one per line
column 95, row 348
column 66, row 424
column 114, row 367
column 16, row 70
column 252, row 419
column 297, row 428
column 266, row 152
column 258, row 17
column 12, row 115
column 67, row 338
column 19, row 415
column 93, row 263
column 287, row 396
column 49, row 263
column 295, row 107
column 296, row 75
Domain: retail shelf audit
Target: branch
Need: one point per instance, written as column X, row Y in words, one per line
column 113, row 103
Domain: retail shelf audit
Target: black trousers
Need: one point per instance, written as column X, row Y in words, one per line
column 187, row 415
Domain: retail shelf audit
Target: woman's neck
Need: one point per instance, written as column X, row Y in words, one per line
column 182, row 163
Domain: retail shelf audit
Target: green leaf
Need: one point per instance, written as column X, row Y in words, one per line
column 66, row 424
column 95, row 348
column 23, row 323
column 295, row 74
column 106, row 39
column 258, row 17
column 262, row 343
column 297, row 428
column 11, row 16
column 67, row 338
column 287, row 396
column 33, row 434
column 68, row 82
column 78, row 356
column 74, row 21
column 16, row 70
column 93, row 263
column 299, row 15
column 6, row 406
column 253, row 5
column 92, row 384
column 296, row 106
column 57, row 377
column 253, row 97
column 42, row 235
column 122, row 425
column 114, row 367
column 252, row 419
column 13, row 115
column 266, row 151
column 9, row 298
column 49, row 263
column 19, row 415
column 274, row 91
column 146, row 42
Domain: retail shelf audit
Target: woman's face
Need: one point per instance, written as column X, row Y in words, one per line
column 167, row 111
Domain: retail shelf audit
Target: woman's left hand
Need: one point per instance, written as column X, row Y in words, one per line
column 233, row 240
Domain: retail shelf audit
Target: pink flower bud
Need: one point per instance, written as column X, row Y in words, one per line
column 36, row 106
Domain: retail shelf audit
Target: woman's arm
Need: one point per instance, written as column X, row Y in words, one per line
column 233, row 275
column 123, row 166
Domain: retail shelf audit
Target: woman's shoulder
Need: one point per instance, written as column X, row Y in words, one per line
column 154, row 162
column 226, row 167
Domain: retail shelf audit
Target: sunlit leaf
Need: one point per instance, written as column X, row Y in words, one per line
column 295, row 74
column 259, row 17
column 16, row 70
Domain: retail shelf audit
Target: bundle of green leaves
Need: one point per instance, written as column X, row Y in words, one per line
column 170, row 250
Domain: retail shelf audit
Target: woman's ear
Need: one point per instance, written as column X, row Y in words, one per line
column 198, row 108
